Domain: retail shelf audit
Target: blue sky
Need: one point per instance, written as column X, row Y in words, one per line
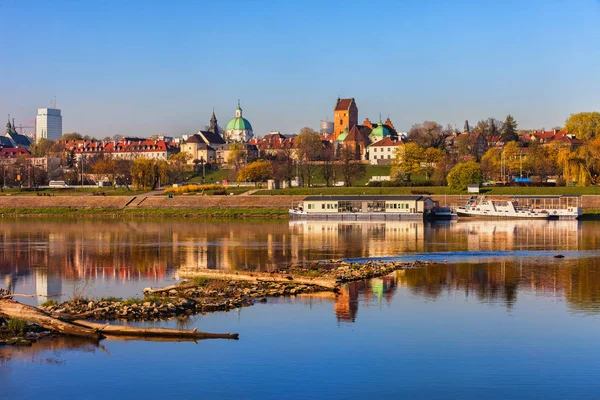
column 142, row 68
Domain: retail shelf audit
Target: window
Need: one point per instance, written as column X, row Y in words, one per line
column 322, row 206
column 341, row 122
column 389, row 156
column 375, row 157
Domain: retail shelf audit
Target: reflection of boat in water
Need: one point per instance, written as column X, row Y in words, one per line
column 369, row 208
column 527, row 207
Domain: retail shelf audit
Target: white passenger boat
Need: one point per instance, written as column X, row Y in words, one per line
column 534, row 207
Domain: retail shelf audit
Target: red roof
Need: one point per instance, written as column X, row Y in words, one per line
column 343, row 104
column 14, row 152
column 386, row 142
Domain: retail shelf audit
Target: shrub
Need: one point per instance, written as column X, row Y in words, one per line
column 49, row 303
column 17, row 326
column 194, row 189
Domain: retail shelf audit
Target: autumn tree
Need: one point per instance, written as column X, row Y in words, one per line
column 407, row 162
column 71, row 136
column 430, row 159
column 106, row 168
column 584, row 125
column 283, row 165
column 491, row 163
column 573, row 166
column 443, row 167
column 257, row 171
column 308, row 148
column 328, row 164
column 509, row 131
column 349, row 167
column 41, row 148
column 427, row 134
column 464, row 174
column 178, row 165
column 512, row 156
column 238, row 154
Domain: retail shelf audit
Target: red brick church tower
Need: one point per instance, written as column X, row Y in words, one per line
column 345, row 116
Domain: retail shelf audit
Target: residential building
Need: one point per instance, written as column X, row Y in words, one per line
column 127, row 148
column 48, row 124
column 384, row 151
column 224, row 152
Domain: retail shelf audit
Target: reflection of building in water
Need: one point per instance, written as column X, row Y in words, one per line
column 46, row 284
column 520, row 234
column 374, row 291
column 356, row 239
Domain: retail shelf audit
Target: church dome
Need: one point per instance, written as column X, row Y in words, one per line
column 239, row 128
column 380, row 132
column 239, row 123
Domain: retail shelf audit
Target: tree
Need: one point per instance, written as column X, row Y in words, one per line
column 584, row 125
column 513, row 158
column 257, row 171
column 464, row 174
column 509, row 130
column 430, row 159
column 41, row 148
column 427, row 134
column 443, row 167
column 574, row 168
column 71, row 136
column 349, row 167
column 406, row 162
column 178, row 164
column 145, row 173
column 283, row 165
column 327, row 168
column 491, row 164
column 237, row 156
column 308, row 147
column 71, row 159
column 106, row 168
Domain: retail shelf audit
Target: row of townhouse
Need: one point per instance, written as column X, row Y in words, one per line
column 127, row 148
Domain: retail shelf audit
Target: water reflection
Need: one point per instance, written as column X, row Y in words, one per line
column 577, row 281
column 120, row 257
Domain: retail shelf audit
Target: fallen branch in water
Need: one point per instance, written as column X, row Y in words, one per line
column 327, row 283
column 81, row 328
column 130, row 331
column 13, row 309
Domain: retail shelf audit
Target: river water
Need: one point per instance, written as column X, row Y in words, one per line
column 497, row 316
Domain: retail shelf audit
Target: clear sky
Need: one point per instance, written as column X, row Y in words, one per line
column 148, row 67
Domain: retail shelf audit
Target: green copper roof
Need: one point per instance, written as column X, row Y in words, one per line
column 240, row 124
column 343, row 135
column 381, row 131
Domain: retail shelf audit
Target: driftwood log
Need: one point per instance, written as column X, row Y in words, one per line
column 121, row 330
column 81, row 328
column 327, row 283
column 13, row 309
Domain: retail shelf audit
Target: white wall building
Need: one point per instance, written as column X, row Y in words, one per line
column 48, row 124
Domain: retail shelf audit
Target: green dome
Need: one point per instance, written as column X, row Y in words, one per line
column 239, row 123
column 380, row 132
column 343, row 135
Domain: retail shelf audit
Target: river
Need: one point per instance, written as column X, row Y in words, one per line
column 497, row 315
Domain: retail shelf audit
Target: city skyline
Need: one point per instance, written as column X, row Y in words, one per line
column 123, row 69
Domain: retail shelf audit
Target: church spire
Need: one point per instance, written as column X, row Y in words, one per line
column 214, row 128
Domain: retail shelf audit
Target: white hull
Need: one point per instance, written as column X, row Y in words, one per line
column 511, row 208
column 461, row 212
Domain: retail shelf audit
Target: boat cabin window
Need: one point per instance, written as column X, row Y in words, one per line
column 349, row 206
column 376, row 206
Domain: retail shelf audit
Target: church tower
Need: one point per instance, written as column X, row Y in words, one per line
column 345, row 116
column 214, row 127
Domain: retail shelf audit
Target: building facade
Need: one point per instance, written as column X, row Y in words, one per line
column 48, row 124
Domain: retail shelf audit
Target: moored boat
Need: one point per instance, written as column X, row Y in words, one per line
column 532, row 207
column 369, row 208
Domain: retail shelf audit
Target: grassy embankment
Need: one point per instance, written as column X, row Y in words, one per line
column 225, row 213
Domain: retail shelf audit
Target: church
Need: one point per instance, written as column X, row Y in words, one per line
column 348, row 133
